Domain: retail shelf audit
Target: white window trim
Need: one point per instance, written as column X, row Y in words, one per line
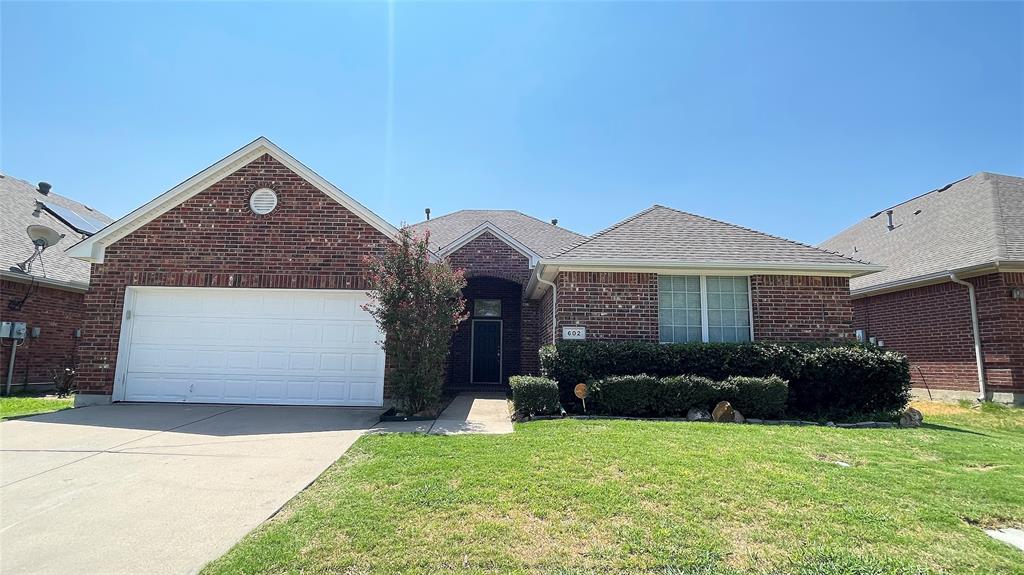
column 704, row 331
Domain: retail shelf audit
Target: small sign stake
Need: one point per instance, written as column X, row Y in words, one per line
column 581, row 392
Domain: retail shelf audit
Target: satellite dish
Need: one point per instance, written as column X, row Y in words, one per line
column 43, row 236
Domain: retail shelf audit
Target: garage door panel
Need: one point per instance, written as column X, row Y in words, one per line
column 362, row 391
column 300, row 347
column 302, row 361
column 340, row 307
column 333, row 362
column 364, row 363
column 162, row 387
column 365, row 334
column 273, row 360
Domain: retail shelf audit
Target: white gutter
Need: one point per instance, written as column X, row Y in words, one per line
column 851, row 269
column 995, row 266
column 977, row 335
column 45, row 282
column 554, row 306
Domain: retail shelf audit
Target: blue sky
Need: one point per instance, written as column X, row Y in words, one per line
column 797, row 119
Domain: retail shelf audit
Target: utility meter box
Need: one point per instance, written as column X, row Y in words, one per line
column 13, row 330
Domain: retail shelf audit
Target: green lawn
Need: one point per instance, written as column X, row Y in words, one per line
column 18, row 405
column 606, row 495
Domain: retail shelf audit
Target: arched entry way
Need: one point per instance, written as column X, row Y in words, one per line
column 486, row 348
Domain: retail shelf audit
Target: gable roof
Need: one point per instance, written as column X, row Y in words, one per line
column 92, row 249
column 542, row 238
column 972, row 223
column 20, row 208
column 662, row 235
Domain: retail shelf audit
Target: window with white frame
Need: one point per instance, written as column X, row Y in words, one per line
column 703, row 308
column 679, row 308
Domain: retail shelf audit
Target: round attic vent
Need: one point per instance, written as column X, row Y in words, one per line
column 263, row 201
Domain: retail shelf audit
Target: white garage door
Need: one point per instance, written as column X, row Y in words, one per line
column 210, row 345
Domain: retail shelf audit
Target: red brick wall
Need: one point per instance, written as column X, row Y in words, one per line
column 932, row 325
column 611, row 305
column 487, row 255
column 624, row 306
column 801, row 308
column 58, row 313
column 484, row 258
column 214, row 240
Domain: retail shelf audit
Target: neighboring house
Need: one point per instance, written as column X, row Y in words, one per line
column 941, row 250
column 244, row 284
column 47, row 293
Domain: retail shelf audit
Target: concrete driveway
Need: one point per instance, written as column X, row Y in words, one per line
column 151, row 488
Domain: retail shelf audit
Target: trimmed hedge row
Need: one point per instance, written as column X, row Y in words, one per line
column 834, row 381
column 649, row 396
column 534, row 395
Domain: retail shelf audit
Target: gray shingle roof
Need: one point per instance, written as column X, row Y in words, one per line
column 668, row 235
column 542, row 237
column 18, row 211
column 975, row 221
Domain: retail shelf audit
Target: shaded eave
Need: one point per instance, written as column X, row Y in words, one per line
column 72, row 286
column 997, row 266
column 548, row 269
column 92, row 249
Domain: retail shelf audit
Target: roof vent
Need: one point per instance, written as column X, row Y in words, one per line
column 44, row 188
column 888, row 215
column 427, row 211
column 263, row 201
column 554, row 222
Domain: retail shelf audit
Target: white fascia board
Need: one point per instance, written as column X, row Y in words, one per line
column 77, row 287
column 549, row 268
column 737, row 268
column 485, row 227
column 938, row 277
column 92, row 248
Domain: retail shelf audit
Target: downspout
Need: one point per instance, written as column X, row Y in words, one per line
column 554, row 306
column 977, row 335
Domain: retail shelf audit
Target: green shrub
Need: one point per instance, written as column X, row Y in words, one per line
column 648, row 396
column 630, row 395
column 534, row 395
column 844, row 382
column 573, row 362
column 761, row 397
column 676, row 395
column 825, row 380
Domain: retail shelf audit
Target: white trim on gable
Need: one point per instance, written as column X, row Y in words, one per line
column 494, row 230
column 92, row 248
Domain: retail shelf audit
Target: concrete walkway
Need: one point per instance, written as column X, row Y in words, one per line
column 467, row 413
column 153, row 489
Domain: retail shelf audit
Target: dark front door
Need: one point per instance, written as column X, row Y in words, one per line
column 486, row 351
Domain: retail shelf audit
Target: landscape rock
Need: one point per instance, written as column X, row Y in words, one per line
column 737, row 416
column 830, row 424
column 723, row 412
column 911, row 418
column 698, row 414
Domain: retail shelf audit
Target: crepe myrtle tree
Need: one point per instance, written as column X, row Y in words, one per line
column 417, row 303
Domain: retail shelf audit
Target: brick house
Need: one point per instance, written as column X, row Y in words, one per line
column 46, row 293
column 244, row 284
column 952, row 294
